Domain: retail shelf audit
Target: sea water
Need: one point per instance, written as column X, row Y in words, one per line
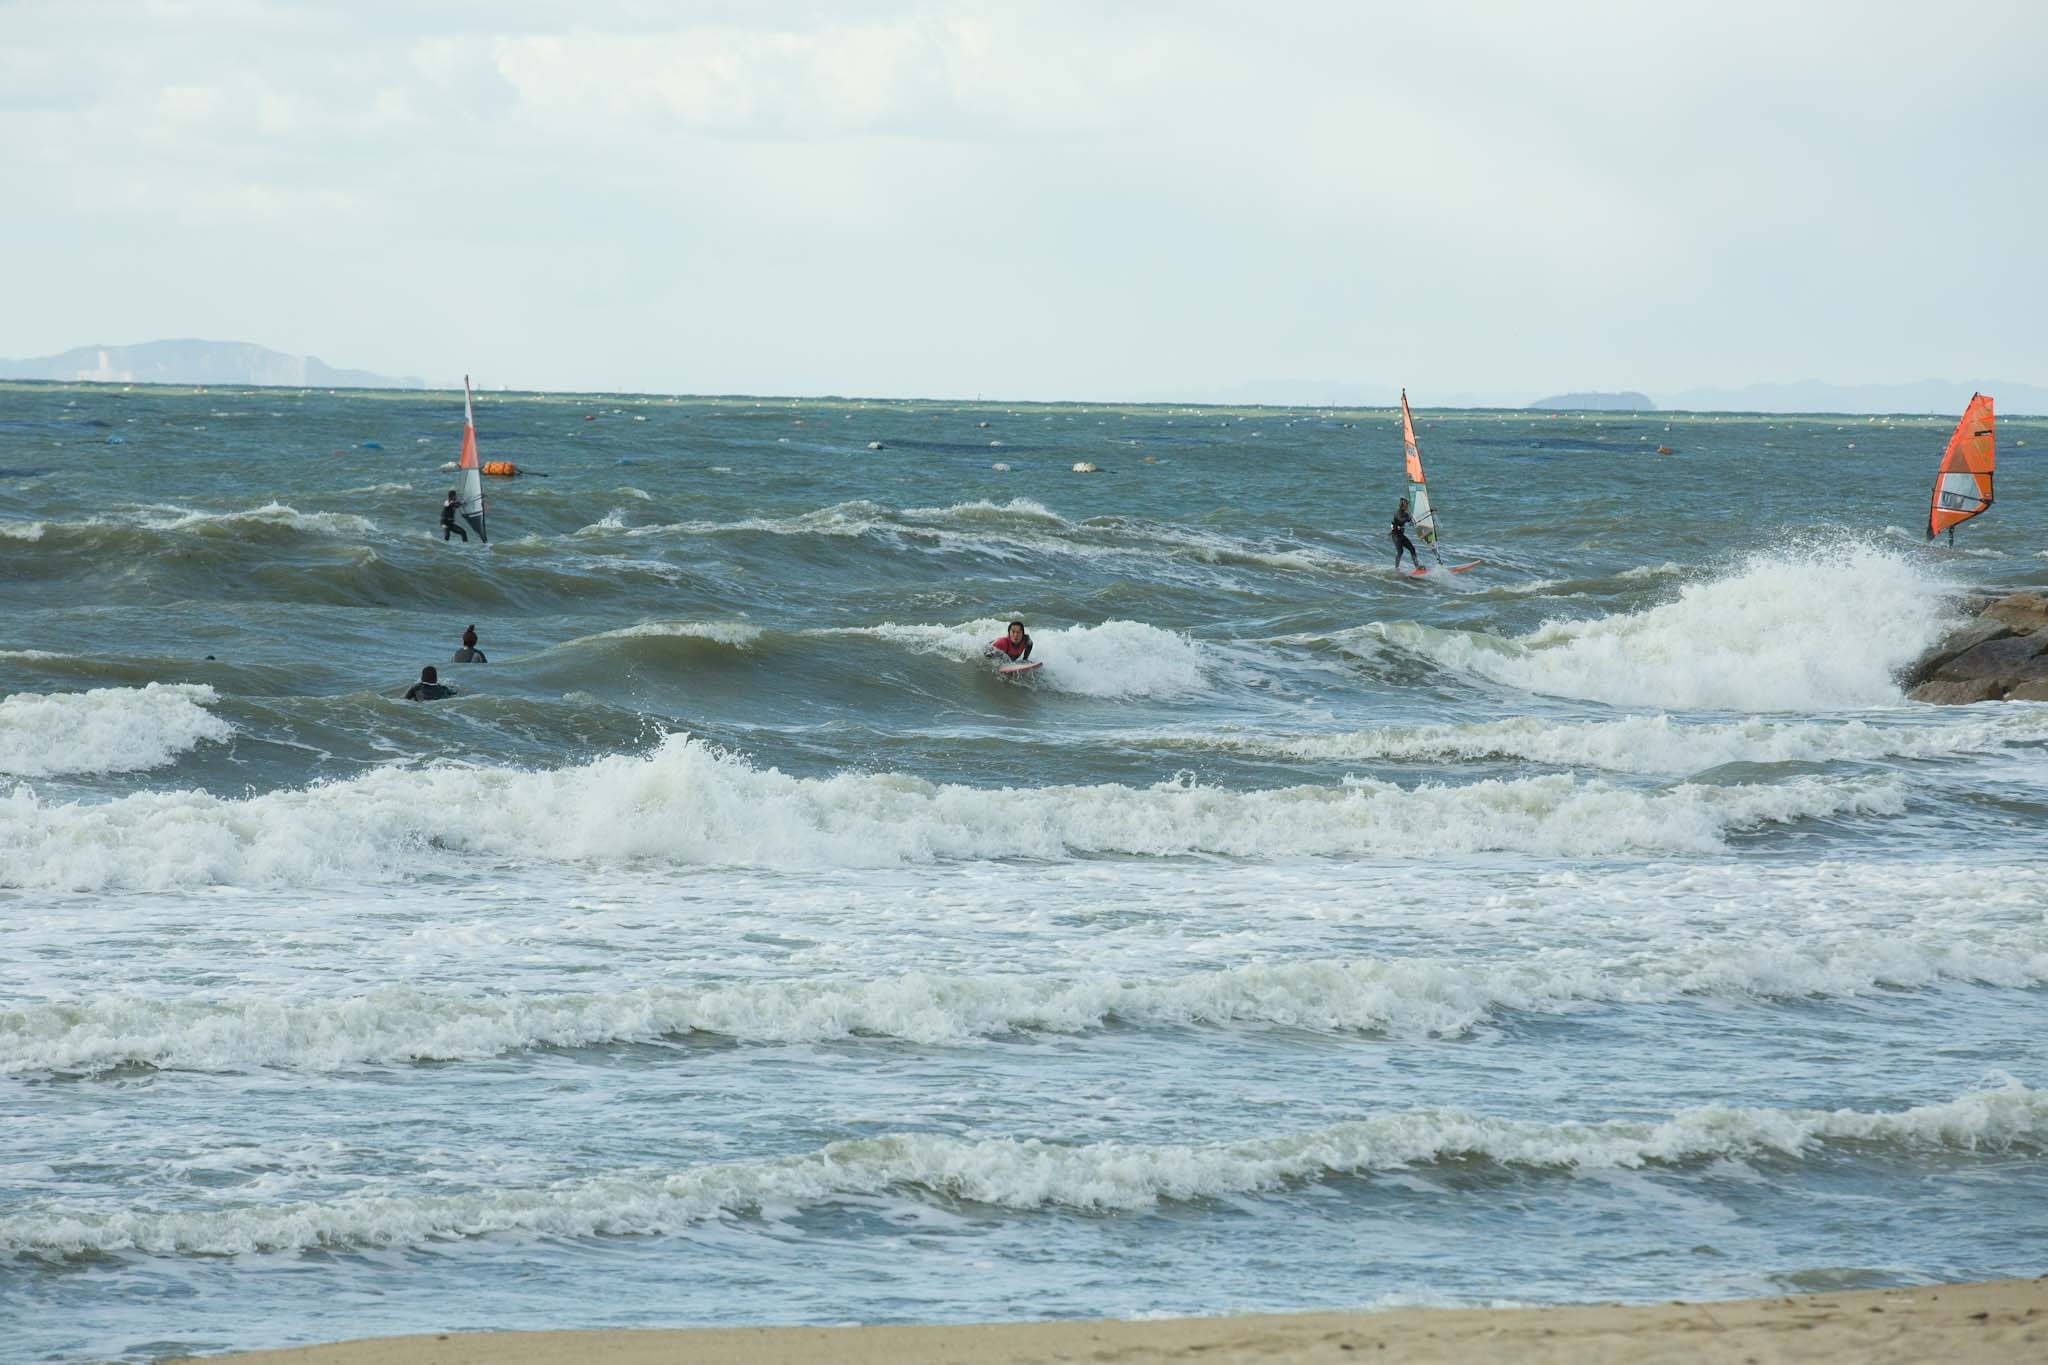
column 734, row 947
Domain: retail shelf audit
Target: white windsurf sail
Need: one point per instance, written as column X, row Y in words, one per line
column 471, row 469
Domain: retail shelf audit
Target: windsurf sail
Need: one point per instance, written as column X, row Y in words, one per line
column 471, row 469
column 1418, row 488
column 1962, row 486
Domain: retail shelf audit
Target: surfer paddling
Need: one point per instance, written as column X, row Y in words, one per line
column 1013, row 644
column 429, row 687
column 1402, row 521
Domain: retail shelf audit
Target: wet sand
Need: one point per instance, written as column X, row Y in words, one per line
column 1997, row 1322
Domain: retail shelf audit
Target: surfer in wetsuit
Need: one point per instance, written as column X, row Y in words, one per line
column 448, row 511
column 1014, row 643
column 429, row 687
column 1402, row 521
column 469, row 653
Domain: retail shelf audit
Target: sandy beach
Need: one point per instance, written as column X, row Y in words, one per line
column 1997, row 1321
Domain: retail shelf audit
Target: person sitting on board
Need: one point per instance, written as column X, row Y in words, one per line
column 429, row 687
column 448, row 511
column 1401, row 542
column 469, row 653
column 1014, row 643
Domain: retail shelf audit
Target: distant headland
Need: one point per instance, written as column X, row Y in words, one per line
column 197, row 362
column 1596, row 402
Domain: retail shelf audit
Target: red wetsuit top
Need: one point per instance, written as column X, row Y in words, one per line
column 1016, row 649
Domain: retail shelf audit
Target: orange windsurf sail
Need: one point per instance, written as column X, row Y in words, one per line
column 1962, row 486
column 1419, row 508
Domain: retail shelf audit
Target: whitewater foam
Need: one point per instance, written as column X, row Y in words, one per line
column 684, row 803
column 1029, row 1173
column 1649, row 745
column 105, row 730
column 1814, row 629
column 1113, row 659
column 1403, row 997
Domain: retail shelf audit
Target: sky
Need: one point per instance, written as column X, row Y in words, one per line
column 1127, row 201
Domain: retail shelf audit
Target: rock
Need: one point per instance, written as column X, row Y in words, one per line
column 1956, row 693
column 2002, row 653
column 1958, row 641
column 2025, row 612
column 1995, row 659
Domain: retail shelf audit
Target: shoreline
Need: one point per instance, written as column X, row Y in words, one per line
column 1987, row 1321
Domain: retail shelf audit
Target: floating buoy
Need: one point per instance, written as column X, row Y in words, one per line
column 501, row 469
column 1664, row 450
column 874, row 445
column 1083, row 467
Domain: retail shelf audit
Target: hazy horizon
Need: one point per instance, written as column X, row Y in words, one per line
column 1165, row 203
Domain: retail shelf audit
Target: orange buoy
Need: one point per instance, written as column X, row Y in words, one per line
column 503, row 469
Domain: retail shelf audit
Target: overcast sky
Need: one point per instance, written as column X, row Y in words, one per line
column 1098, row 201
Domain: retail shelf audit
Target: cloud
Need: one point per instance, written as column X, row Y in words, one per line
column 949, row 196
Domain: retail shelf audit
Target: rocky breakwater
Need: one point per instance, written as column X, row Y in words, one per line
column 2002, row 655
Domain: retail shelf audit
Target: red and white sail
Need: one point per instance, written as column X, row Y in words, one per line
column 471, row 468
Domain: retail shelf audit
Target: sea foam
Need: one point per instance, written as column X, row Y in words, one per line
column 685, row 803
column 1404, row 997
column 105, row 730
column 1813, row 629
column 1028, row 1173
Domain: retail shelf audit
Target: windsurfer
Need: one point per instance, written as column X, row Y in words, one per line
column 448, row 511
column 1013, row 642
column 429, row 687
column 469, row 653
column 1402, row 521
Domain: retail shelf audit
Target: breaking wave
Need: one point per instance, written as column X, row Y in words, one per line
column 1405, row 997
column 1816, row 630
column 105, row 730
column 1031, row 1175
column 685, row 803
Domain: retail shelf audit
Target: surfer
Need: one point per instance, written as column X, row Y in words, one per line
column 448, row 511
column 1400, row 534
column 429, row 687
column 469, row 653
column 1013, row 642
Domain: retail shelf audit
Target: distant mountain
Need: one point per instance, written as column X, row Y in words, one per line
column 197, row 362
column 1596, row 402
column 1929, row 395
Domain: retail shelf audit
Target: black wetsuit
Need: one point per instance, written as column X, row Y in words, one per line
column 426, row 691
column 448, row 523
column 469, row 654
column 1401, row 542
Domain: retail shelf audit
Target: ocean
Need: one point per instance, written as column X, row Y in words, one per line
column 735, row 948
